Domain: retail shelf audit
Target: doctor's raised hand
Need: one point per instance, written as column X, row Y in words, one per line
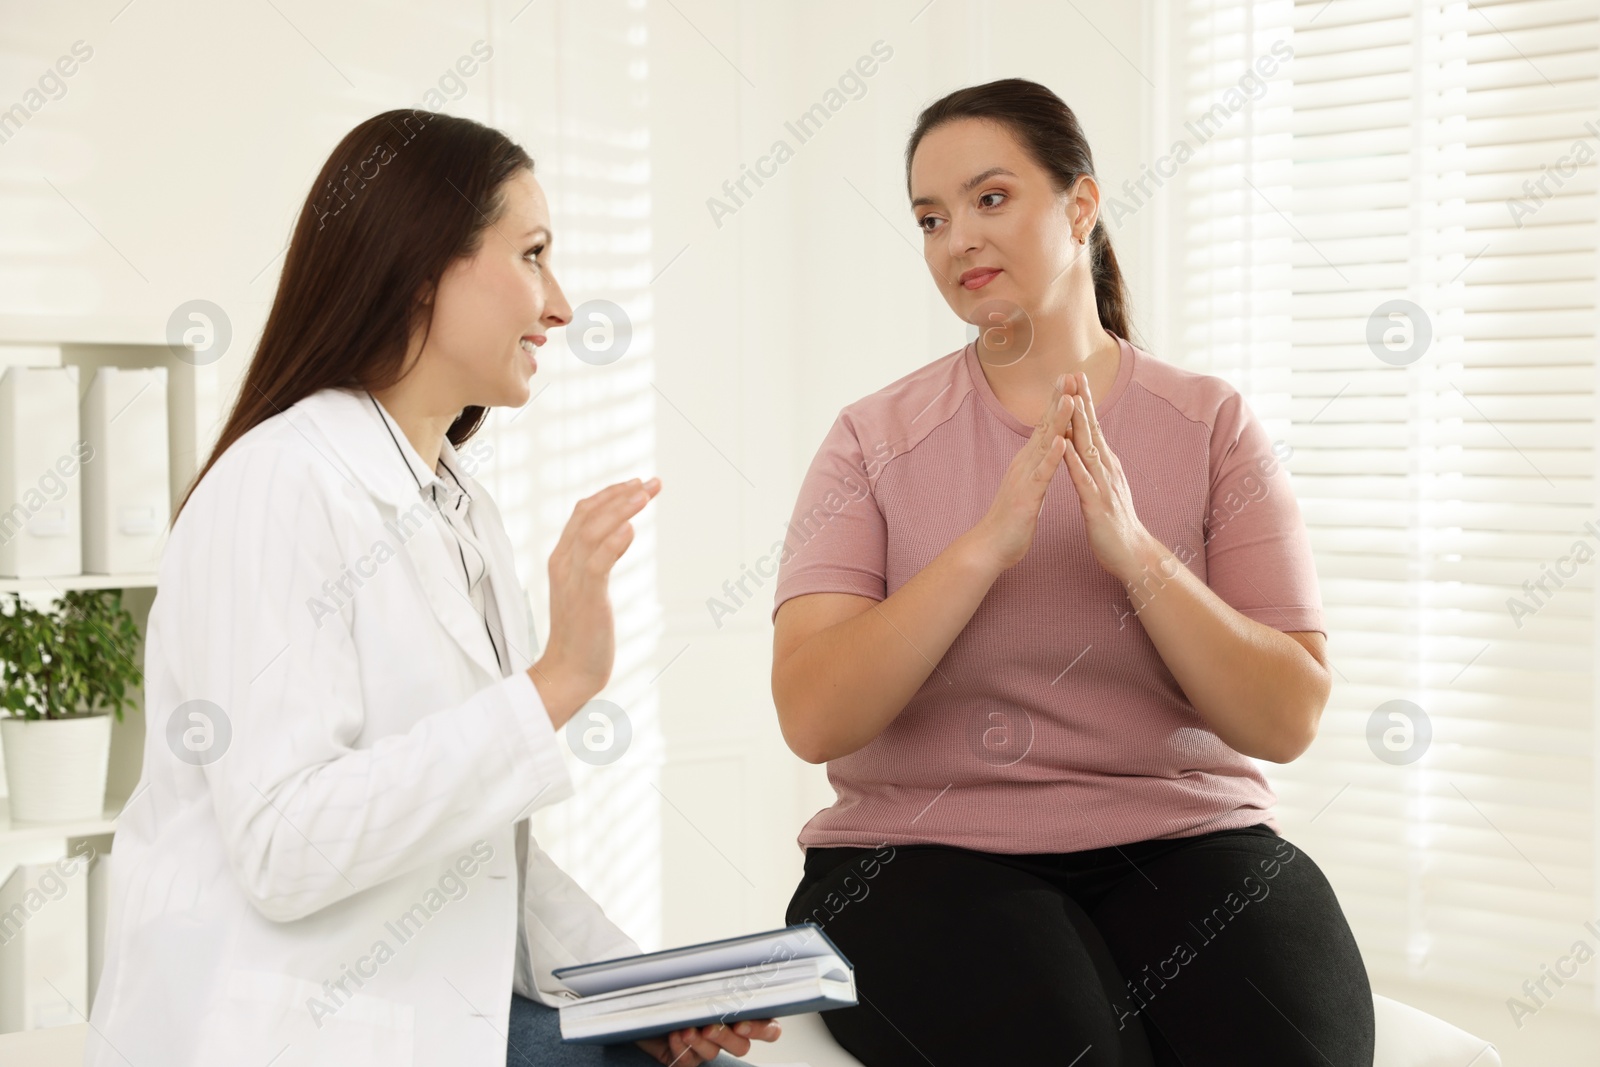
column 578, row 659
column 577, row 664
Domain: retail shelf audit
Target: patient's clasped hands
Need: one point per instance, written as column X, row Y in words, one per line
column 1067, row 433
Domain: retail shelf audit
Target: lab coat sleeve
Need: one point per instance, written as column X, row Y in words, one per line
column 560, row 925
column 307, row 818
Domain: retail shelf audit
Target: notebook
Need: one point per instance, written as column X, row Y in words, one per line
column 789, row 971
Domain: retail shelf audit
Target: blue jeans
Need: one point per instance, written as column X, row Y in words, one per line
column 535, row 1041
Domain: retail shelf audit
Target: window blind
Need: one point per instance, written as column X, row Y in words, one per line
column 1391, row 251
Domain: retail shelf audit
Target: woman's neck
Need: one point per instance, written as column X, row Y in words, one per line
column 423, row 426
column 1062, row 343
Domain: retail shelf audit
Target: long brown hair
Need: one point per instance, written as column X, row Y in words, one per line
column 403, row 195
column 1050, row 132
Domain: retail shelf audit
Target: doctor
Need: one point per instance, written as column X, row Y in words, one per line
column 327, row 858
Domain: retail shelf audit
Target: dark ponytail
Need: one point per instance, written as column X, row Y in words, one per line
column 1048, row 129
column 1110, row 291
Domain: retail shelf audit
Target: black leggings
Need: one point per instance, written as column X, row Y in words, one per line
column 1226, row 948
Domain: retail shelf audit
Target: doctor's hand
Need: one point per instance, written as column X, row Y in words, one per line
column 697, row 1045
column 577, row 661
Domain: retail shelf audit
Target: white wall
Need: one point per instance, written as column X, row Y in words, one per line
column 173, row 164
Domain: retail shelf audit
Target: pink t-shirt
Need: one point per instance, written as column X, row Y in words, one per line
column 1052, row 723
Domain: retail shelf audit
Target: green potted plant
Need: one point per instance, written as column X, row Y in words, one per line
column 65, row 669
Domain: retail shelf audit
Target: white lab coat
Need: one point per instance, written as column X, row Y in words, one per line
column 341, row 885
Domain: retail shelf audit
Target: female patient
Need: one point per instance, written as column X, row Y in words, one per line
column 327, row 860
column 1042, row 601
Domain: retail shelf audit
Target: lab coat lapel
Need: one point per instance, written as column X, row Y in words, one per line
column 355, row 431
column 509, row 617
column 453, row 607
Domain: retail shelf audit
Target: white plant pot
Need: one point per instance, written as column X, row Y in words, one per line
column 56, row 768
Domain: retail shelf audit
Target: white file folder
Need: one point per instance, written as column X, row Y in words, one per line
column 41, row 474
column 43, row 946
column 125, row 482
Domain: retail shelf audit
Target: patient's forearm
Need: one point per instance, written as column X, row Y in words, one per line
column 840, row 689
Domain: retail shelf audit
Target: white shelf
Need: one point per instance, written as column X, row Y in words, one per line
column 77, row 581
column 81, row 329
column 12, row 833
